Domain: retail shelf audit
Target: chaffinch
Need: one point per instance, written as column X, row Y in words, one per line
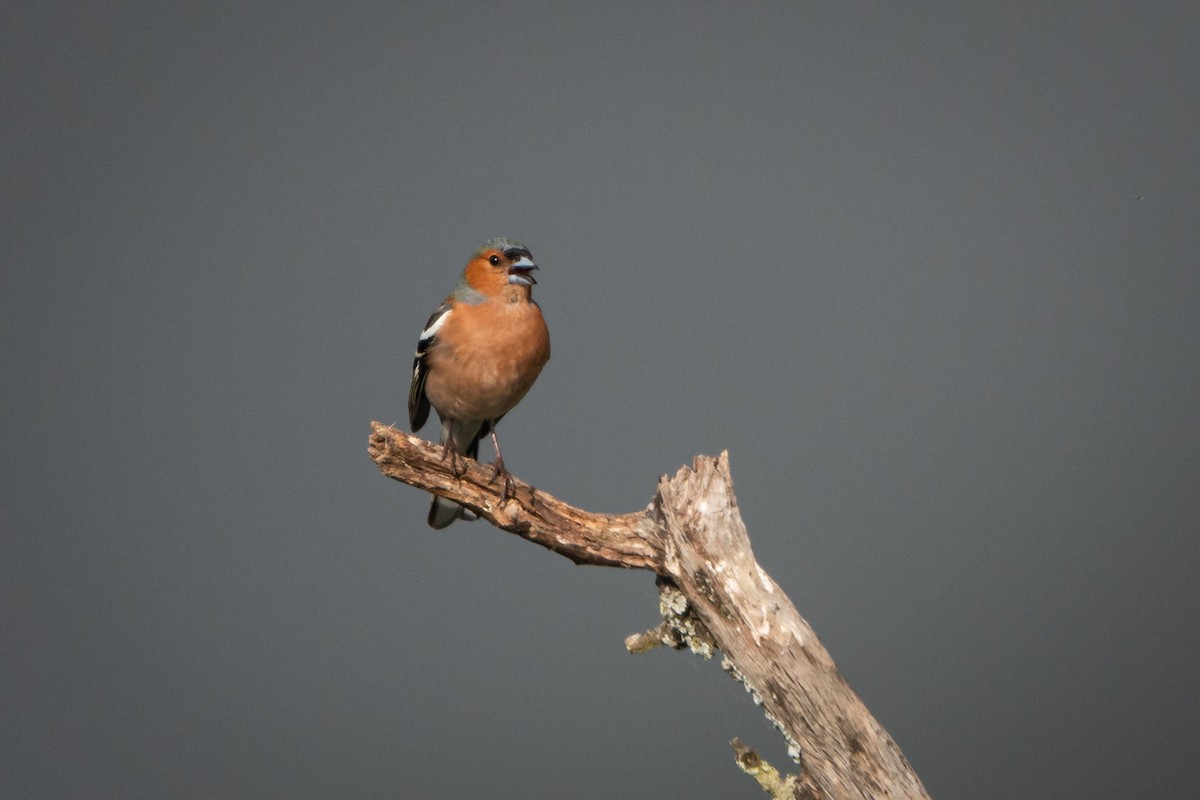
column 480, row 352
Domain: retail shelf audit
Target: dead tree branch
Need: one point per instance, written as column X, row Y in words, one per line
column 713, row 596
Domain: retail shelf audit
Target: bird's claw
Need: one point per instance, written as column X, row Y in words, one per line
column 508, row 489
column 458, row 464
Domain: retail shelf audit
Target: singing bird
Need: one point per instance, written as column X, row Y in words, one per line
column 479, row 354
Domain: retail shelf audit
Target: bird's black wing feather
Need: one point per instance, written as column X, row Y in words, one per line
column 418, row 403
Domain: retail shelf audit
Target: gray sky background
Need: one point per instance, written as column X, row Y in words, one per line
column 929, row 273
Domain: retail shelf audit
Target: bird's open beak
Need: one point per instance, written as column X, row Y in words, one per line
column 520, row 272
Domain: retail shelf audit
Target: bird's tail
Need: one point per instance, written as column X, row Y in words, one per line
column 466, row 437
column 442, row 512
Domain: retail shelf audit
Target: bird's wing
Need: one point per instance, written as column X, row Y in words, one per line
column 418, row 403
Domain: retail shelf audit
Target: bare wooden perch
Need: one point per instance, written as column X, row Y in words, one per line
column 713, row 596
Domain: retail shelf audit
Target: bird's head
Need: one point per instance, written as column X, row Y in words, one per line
column 498, row 264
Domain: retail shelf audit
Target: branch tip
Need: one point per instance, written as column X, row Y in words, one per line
column 647, row 640
column 780, row 787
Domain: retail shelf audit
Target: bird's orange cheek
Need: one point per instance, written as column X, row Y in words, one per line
column 484, row 278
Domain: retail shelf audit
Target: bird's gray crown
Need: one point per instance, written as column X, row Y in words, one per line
column 509, row 247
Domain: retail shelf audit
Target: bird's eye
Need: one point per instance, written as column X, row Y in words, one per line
column 494, row 260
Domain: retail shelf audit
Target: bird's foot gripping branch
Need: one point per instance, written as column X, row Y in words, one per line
column 713, row 596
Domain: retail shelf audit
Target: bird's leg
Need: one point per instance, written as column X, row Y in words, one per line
column 458, row 464
column 508, row 489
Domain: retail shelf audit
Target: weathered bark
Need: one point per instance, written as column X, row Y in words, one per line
column 713, row 596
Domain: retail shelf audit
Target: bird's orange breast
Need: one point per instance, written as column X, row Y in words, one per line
column 486, row 358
